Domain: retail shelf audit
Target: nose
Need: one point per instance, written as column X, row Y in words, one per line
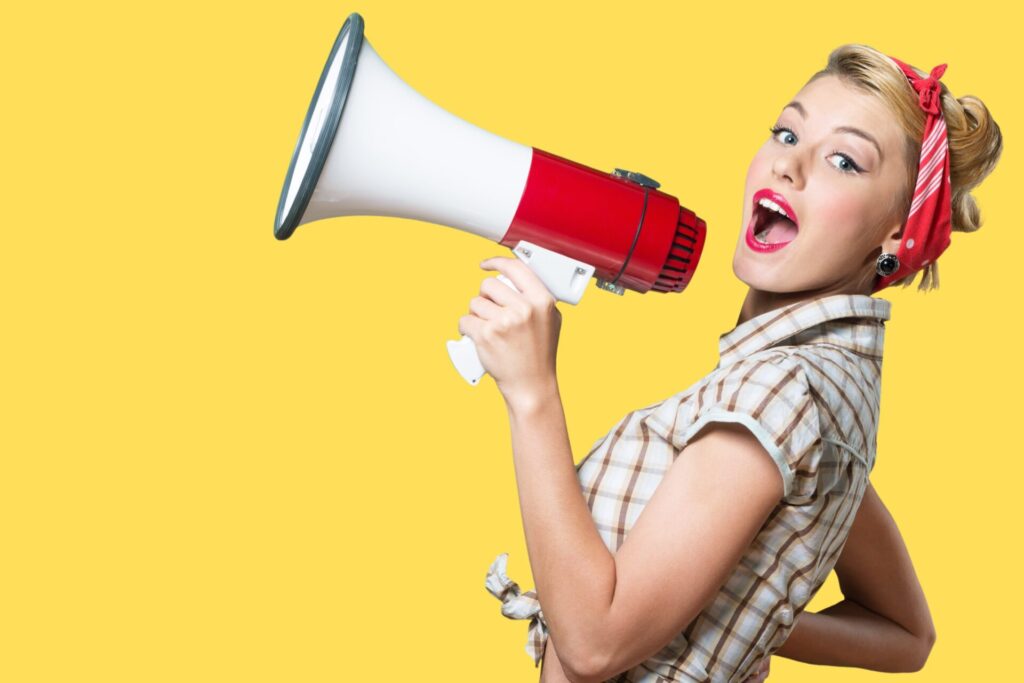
column 788, row 165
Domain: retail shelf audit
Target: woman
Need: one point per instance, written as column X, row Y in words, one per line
column 752, row 481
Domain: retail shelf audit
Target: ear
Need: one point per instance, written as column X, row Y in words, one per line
column 893, row 237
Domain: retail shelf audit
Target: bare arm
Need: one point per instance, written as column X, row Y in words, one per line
column 551, row 670
column 883, row 622
column 609, row 612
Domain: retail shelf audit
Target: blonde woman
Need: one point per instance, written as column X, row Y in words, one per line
column 687, row 543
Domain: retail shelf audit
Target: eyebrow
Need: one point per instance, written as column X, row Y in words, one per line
column 839, row 129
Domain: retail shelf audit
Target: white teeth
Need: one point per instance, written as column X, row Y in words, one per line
column 767, row 203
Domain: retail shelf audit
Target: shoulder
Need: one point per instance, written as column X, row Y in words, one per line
column 766, row 392
column 772, row 377
column 834, row 375
column 846, row 387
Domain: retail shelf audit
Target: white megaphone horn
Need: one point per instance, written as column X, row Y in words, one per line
column 372, row 146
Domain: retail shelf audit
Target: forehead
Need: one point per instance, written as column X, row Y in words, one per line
column 830, row 102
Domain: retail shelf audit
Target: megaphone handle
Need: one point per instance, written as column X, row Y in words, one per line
column 463, row 352
column 563, row 276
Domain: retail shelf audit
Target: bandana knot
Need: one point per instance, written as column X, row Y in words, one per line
column 929, row 91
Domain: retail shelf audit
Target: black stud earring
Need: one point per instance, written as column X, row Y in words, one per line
column 887, row 264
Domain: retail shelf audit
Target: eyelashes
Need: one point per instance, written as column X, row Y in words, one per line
column 775, row 130
column 853, row 169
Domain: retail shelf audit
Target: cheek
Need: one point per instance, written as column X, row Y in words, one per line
column 843, row 212
column 845, row 218
column 758, row 172
column 758, row 176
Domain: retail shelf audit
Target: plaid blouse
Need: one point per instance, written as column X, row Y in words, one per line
column 805, row 380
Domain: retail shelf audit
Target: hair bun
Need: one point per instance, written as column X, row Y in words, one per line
column 975, row 145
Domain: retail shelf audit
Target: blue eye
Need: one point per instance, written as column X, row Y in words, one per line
column 778, row 129
column 851, row 166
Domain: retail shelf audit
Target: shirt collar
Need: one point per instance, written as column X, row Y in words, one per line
column 788, row 322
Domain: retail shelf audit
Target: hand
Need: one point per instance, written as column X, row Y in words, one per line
column 515, row 333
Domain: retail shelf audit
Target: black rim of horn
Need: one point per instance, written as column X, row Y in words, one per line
column 284, row 225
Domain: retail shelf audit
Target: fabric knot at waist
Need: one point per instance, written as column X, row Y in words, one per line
column 516, row 605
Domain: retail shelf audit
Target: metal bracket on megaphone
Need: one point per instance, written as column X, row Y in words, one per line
column 566, row 278
column 648, row 184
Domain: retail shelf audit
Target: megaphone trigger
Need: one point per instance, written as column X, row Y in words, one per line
column 507, row 282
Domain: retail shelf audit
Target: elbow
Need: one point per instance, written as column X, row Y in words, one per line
column 582, row 658
column 585, row 665
column 925, row 644
column 584, row 670
column 575, row 677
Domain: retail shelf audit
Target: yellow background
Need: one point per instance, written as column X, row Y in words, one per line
column 228, row 458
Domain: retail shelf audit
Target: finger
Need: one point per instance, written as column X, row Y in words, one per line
column 469, row 325
column 484, row 308
column 525, row 280
column 497, row 291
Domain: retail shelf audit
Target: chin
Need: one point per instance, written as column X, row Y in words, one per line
column 756, row 274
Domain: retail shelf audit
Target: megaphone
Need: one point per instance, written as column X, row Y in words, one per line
column 371, row 145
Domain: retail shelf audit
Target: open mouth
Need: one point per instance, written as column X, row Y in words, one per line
column 770, row 226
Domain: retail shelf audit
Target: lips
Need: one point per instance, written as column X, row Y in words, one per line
column 778, row 199
column 758, row 211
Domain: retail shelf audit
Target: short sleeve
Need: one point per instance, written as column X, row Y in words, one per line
column 770, row 395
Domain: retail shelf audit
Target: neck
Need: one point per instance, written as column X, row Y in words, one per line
column 758, row 301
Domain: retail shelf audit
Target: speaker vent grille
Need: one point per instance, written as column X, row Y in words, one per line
column 683, row 254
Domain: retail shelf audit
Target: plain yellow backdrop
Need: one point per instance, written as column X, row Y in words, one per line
column 229, row 458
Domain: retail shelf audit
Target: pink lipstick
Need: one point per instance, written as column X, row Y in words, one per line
column 761, row 216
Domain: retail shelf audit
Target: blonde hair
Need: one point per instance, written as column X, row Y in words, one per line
column 974, row 138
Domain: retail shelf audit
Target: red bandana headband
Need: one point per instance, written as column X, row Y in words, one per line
column 926, row 234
